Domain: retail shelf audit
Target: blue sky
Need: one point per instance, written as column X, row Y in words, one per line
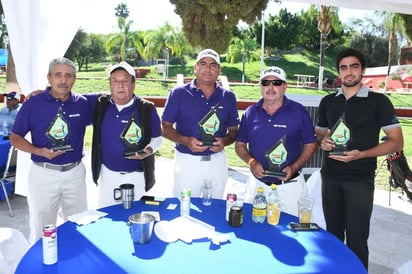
column 154, row 13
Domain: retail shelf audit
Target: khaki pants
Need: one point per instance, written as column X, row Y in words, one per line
column 191, row 171
column 110, row 180
column 50, row 190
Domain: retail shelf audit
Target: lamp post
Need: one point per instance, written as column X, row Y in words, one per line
column 262, row 50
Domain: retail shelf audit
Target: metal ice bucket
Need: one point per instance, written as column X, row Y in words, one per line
column 141, row 227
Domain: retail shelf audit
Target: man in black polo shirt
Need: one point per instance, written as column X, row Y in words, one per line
column 355, row 116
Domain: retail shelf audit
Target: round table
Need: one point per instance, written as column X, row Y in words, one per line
column 105, row 246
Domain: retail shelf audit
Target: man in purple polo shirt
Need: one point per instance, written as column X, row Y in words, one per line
column 273, row 120
column 186, row 107
column 56, row 120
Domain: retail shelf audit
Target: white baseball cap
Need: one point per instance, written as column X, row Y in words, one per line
column 208, row 53
column 125, row 66
column 274, row 71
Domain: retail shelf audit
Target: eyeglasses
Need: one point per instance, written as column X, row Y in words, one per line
column 266, row 83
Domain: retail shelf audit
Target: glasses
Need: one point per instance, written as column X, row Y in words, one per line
column 266, row 83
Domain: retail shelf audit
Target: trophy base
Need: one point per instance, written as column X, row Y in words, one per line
column 127, row 154
column 276, row 174
column 63, row 148
column 209, row 143
column 339, row 153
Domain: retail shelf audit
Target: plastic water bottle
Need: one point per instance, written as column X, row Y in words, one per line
column 259, row 207
column 273, row 209
column 5, row 129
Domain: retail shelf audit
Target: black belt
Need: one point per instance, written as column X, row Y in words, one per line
column 61, row 168
column 279, row 182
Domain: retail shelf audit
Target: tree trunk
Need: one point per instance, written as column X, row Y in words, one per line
column 321, row 62
column 11, row 80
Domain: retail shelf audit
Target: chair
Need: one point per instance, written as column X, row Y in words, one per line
column 13, row 246
column 9, row 172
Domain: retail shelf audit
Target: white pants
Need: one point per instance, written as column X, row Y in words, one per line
column 110, row 180
column 289, row 193
column 191, row 171
column 49, row 190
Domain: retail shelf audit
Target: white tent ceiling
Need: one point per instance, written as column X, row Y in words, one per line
column 400, row 6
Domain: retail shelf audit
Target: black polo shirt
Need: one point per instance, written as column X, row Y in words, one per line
column 365, row 114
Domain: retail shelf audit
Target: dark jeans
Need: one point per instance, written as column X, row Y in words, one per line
column 347, row 206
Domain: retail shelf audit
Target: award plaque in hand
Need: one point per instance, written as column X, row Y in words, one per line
column 131, row 137
column 341, row 136
column 276, row 158
column 208, row 126
column 57, row 133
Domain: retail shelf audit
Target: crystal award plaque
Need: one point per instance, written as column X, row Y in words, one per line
column 208, row 126
column 131, row 136
column 276, row 158
column 341, row 136
column 57, row 133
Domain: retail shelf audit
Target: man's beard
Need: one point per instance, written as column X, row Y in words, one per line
column 351, row 84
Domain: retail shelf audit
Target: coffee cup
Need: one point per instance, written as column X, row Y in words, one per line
column 125, row 193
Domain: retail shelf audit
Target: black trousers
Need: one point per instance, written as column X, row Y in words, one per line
column 347, row 206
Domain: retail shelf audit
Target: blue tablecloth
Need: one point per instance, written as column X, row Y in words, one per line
column 4, row 152
column 106, row 247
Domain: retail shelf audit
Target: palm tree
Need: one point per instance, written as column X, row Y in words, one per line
column 245, row 49
column 163, row 42
column 326, row 20
column 393, row 22
column 124, row 39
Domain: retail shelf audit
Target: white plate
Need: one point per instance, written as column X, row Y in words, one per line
column 165, row 231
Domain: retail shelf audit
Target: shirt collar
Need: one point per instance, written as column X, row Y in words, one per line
column 70, row 99
column 363, row 92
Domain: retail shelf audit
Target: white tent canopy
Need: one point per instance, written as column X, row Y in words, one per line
column 399, row 6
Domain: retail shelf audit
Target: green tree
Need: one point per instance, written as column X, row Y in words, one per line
column 407, row 23
column 122, row 10
column 92, row 51
column 125, row 39
column 243, row 50
column 164, row 39
column 282, row 30
column 327, row 19
column 393, row 23
column 209, row 24
column 76, row 44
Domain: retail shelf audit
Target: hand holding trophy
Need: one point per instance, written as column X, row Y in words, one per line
column 57, row 133
column 276, row 159
column 208, row 127
column 341, row 136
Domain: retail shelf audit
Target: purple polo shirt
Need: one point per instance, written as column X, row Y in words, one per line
column 36, row 115
column 262, row 131
column 113, row 123
column 187, row 106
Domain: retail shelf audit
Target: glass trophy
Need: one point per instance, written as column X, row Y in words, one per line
column 208, row 126
column 57, row 133
column 131, row 137
column 341, row 136
column 276, row 158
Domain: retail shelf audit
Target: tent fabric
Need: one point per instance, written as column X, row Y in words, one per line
column 399, row 6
